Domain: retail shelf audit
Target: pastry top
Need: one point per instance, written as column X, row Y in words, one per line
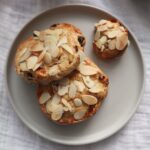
column 76, row 97
column 49, row 54
column 110, row 35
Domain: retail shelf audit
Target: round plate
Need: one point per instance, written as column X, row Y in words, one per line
column 126, row 76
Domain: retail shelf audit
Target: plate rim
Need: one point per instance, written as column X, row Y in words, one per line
column 125, row 120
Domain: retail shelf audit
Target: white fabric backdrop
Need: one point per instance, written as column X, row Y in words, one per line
column 14, row 135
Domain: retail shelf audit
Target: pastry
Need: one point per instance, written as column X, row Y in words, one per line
column 76, row 97
column 49, row 54
column 110, row 39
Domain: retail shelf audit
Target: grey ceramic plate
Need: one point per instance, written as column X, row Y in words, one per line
column 126, row 82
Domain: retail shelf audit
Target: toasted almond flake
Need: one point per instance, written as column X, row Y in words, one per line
column 31, row 62
column 88, row 81
column 47, row 58
column 37, row 66
column 98, row 43
column 53, row 32
column 66, row 104
column 89, row 99
column 80, row 85
column 77, row 102
column 50, row 42
column 122, row 28
column 102, row 21
column 54, row 70
column 22, row 52
column 87, row 70
column 109, row 24
column 80, row 114
column 72, row 90
column 57, row 112
column 25, row 56
column 37, row 33
column 82, row 56
column 62, row 41
column 67, row 48
column 102, row 48
column 55, row 52
column 37, row 47
column 41, row 56
column 65, row 109
column 122, row 41
column 45, row 96
column 62, row 90
column 56, row 99
column 103, row 40
column 102, row 28
column 97, row 88
column 23, row 66
column 112, row 44
column 112, row 33
column 97, row 35
column 49, row 106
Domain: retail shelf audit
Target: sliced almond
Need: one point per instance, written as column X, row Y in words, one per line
column 67, row 48
column 45, row 96
column 41, row 56
column 31, row 62
column 88, row 81
column 77, row 102
column 57, row 113
column 65, row 109
column 102, row 21
column 97, row 35
column 122, row 41
column 80, row 85
column 50, row 42
column 37, row 47
column 21, row 52
column 80, row 114
column 82, row 56
column 56, row 99
column 97, row 88
column 23, row 66
column 25, row 55
column 98, row 43
column 47, row 58
column 112, row 44
column 109, row 24
column 89, row 99
column 103, row 40
column 65, row 103
column 62, row 90
column 72, row 90
column 54, row 70
column 87, row 70
column 37, row 33
column 37, row 66
column 102, row 48
column 102, row 28
column 55, row 52
column 112, row 33
column 62, row 41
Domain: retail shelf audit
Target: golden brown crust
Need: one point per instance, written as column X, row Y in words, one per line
column 68, row 117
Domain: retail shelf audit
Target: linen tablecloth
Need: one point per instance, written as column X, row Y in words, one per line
column 14, row 135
